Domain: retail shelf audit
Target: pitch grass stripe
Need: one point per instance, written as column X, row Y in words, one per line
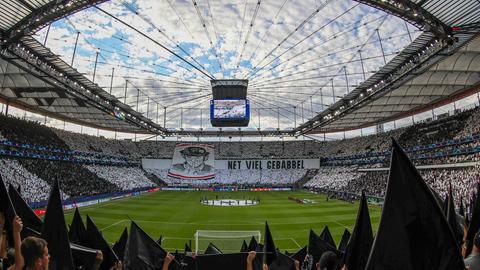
column 180, row 214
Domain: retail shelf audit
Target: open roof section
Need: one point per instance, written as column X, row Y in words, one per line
column 429, row 73
column 284, row 91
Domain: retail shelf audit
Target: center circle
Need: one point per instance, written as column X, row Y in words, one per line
column 230, row 202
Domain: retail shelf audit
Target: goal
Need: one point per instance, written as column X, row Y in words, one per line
column 226, row 241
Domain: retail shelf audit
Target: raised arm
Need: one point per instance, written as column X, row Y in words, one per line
column 17, row 240
column 168, row 259
column 250, row 258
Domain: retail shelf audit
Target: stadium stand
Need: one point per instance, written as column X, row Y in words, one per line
column 311, row 68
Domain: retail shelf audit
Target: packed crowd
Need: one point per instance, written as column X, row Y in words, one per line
column 373, row 182
column 443, row 128
column 35, row 176
column 126, row 178
column 335, row 178
column 83, row 180
column 34, row 189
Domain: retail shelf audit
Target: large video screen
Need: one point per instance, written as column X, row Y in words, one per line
column 229, row 109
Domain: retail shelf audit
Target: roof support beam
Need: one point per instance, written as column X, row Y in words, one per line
column 45, row 15
column 413, row 13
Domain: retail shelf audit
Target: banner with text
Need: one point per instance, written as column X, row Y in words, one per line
column 244, row 164
column 268, row 164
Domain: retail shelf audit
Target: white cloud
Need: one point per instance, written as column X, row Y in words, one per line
column 297, row 64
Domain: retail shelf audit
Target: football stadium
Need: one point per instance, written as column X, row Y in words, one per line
column 240, row 134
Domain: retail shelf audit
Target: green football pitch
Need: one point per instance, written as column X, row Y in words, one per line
column 177, row 215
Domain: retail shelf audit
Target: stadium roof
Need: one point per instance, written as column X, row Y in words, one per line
column 313, row 67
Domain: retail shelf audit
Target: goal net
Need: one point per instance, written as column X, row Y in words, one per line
column 226, row 241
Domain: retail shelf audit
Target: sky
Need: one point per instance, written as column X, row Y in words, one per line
column 166, row 52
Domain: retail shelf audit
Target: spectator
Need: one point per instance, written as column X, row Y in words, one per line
column 328, row 261
column 35, row 253
column 472, row 262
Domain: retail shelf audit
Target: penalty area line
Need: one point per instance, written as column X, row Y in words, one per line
column 296, row 243
column 114, row 224
column 341, row 224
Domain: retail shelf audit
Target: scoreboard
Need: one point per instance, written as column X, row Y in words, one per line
column 229, row 106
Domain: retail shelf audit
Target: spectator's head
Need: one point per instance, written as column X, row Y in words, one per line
column 35, row 253
column 328, row 261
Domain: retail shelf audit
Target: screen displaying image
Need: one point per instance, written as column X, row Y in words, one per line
column 225, row 109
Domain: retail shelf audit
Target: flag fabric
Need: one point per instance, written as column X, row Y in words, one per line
column 445, row 205
column 54, row 231
column 253, row 245
column 461, row 211
column 6, row 206
column 453, row 219
column 180, row 258
column 342, row 246
column 300, row 254
column 327, row 236
column 77, row 232
column 244, row 247
column 317, row 246
column 142, row 252
column 413, row 232
column 231, row 261
column 83, row 256
column 282, row 262
column 5, row 201
column 187, row 248
column 94, row 239
column 361, row 240
column 474, row 222
column 188, row 263
column 270, row 252
column 31, row 222
column 121, row 244
column 212, row 250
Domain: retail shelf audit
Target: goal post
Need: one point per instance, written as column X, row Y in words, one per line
column 226, row 241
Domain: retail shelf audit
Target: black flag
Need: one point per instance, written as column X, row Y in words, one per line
column 7, row 208
column 142, row 252
column 252, row 246
column 474, row 223
column 244, row 247
column 317, row 246
column 344, row 241
column 413, row 231
column 121, row 244
column 232, row 261
column 445, row 205
column 461, row 211
column 212, row 250
column 77, row 232
column 453, row 218
column 83, row 256
column 270, row 252
column 95, row 240
column 300, row 255
column 5, row 202
column 327, row 236
column 358, row 248
column 31, row 222
column 54, row 231
column 282, row 262
column 187, row 248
